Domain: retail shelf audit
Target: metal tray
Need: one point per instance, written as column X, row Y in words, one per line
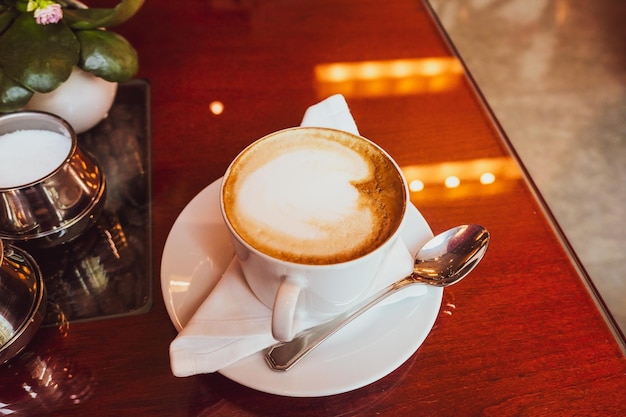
column 107, row 271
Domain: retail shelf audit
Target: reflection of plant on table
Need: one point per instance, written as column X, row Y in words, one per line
column 41, row 41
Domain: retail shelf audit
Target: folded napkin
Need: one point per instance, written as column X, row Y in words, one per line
column 332, row 113
column 232, row 323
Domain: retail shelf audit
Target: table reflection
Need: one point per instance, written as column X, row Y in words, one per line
column 453, row 180
column 388, row 77
column 48, row 381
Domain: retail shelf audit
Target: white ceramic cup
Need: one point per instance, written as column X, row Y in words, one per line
column 299, row 290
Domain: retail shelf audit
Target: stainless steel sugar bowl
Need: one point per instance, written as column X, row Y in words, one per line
column 22, row 300
column 60, row 204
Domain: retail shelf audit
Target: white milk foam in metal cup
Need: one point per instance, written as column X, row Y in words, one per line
column 29, row 155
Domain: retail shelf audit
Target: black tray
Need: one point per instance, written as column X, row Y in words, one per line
column 107, row 271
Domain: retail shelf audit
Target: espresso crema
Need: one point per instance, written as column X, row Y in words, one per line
column 314, row 196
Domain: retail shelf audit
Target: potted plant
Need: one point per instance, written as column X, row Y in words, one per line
column 44, row 42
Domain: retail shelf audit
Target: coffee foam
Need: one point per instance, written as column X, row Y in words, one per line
column 314, row 199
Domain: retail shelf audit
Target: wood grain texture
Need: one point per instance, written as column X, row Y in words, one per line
column 521, row 336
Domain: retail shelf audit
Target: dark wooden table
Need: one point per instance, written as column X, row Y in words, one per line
column 526, row 334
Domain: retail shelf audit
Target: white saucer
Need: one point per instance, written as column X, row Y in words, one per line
column 197, row 252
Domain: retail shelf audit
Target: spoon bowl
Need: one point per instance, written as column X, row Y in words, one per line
column 442, row 261
column 451, row 256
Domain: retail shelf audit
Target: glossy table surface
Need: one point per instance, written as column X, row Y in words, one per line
column 523, row 335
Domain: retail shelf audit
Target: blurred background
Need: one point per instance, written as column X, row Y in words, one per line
column 554, row 74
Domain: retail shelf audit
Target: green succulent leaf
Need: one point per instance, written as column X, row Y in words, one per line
column 12, row 95
column 40, row 57
column 101, row 18
column 107, row 55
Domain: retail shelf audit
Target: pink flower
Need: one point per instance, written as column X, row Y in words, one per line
column 52, row 13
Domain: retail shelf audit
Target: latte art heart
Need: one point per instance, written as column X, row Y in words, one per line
column 314, row 201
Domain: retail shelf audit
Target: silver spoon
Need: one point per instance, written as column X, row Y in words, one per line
column 444, row 260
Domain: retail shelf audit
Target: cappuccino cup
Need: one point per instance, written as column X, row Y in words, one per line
column 312, row 213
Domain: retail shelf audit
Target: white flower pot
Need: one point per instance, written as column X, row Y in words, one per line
column 83, row 100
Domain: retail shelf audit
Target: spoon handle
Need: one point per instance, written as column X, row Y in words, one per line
column 284, row 355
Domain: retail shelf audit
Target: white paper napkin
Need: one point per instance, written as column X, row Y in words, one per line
column 332, row 113
column 232, row 323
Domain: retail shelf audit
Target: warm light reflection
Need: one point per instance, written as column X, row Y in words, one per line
column 487, row 178
column 6, row 330
column 416, row 185
column 216, row 107
column 458, row 179
column 562, row 11
column 388, row 78
column 452, row 181
column 177, row 286
column 5, row 409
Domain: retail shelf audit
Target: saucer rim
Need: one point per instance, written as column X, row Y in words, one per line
column 253, row 372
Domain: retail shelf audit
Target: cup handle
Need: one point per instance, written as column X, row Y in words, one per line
column 284, row 311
